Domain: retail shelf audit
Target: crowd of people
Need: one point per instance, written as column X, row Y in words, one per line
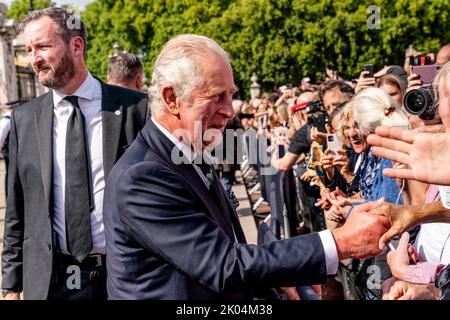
column 97, row 207
column 327, row 145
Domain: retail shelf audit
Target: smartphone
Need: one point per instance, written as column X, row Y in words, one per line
column 368, row 67
column 333, row 144
column 281, row 150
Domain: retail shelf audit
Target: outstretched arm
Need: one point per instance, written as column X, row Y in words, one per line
column 404, row 218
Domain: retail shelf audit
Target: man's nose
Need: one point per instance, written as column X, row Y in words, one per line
column 34, row 57
column 227, row 110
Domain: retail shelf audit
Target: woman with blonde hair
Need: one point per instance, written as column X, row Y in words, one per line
column 373, row 107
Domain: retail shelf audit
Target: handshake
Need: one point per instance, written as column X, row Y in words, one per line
column 370, row 227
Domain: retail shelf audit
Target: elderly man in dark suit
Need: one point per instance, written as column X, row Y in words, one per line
column 63, row 145
column 171, row 232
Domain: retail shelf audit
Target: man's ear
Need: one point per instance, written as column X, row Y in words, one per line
column 170, row 100
column 138, row 81
column 77, row 45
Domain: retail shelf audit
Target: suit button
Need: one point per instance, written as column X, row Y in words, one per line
column 49, row 247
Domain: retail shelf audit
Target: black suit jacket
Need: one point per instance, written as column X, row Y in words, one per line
column 28, row 244
column 166, row 237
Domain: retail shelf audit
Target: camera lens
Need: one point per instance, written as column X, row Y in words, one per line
column 420, row 102
column 415, row 101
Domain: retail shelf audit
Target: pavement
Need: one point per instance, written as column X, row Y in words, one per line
column 244, row 211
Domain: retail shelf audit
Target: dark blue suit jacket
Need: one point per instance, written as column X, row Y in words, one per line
column 168, row 239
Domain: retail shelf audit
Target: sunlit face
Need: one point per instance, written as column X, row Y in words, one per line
column 354, row 135
column 302, row 115
column 209, row 108
column 394, row 92
column 264, row 105
column 332, row 98
column 49, row 56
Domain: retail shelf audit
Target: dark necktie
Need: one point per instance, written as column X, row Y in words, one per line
column 78, row 197
column 207, row 171
column 219, row 196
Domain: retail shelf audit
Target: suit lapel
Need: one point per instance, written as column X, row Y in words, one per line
column 163, row 147
column 44, row 127
column 216, row 210
column 231, row 212
column 112, row 116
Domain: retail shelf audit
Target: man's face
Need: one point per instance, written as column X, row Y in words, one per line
column 206, row 114
column 302, row 115
column 332, row 98
column 50, row 57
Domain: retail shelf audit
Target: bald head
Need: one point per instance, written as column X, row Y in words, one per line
column 443, row 55
column 307, row 96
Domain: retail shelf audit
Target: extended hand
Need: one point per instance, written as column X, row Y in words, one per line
column 359, row 236
column 400, row 217
column 425, row 154
column 398, row 260
column 394, row 289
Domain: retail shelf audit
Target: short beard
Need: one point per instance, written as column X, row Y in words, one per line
column 62, row 73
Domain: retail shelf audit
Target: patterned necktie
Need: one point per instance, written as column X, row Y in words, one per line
column 78, row 196
column 207, row 171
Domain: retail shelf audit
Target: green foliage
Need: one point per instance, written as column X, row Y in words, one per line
column 280, row 40
column 19, row 8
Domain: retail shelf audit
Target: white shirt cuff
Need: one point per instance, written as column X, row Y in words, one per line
column 329, row 248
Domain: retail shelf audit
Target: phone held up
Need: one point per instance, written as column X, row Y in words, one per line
column 368, row 67
column 333, row 144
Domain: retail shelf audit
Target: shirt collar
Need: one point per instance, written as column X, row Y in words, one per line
column 86, row 90
column 185, row 149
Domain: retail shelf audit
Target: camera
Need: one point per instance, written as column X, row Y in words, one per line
column 316, row 116
column 422, row 102
column 420, row 60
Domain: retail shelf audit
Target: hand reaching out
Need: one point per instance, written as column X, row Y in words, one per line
column 364, row 82
column 394, row 289
column 424, row 154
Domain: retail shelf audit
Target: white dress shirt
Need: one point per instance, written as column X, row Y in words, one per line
column 184, row 148
column 5, row 126
column 90, row 101
column 329, row 246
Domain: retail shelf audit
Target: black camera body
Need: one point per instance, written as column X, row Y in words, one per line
column 421, row 102
column 317, row 117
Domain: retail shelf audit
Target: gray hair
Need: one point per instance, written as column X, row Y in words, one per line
column 373, row 107
column 124, row 67
column 179, row 65
column 69, row 24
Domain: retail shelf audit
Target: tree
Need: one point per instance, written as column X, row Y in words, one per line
column 19, row 8
column 280, row 40
column 142, row 26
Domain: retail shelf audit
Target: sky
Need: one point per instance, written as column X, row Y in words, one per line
column 81, row 4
